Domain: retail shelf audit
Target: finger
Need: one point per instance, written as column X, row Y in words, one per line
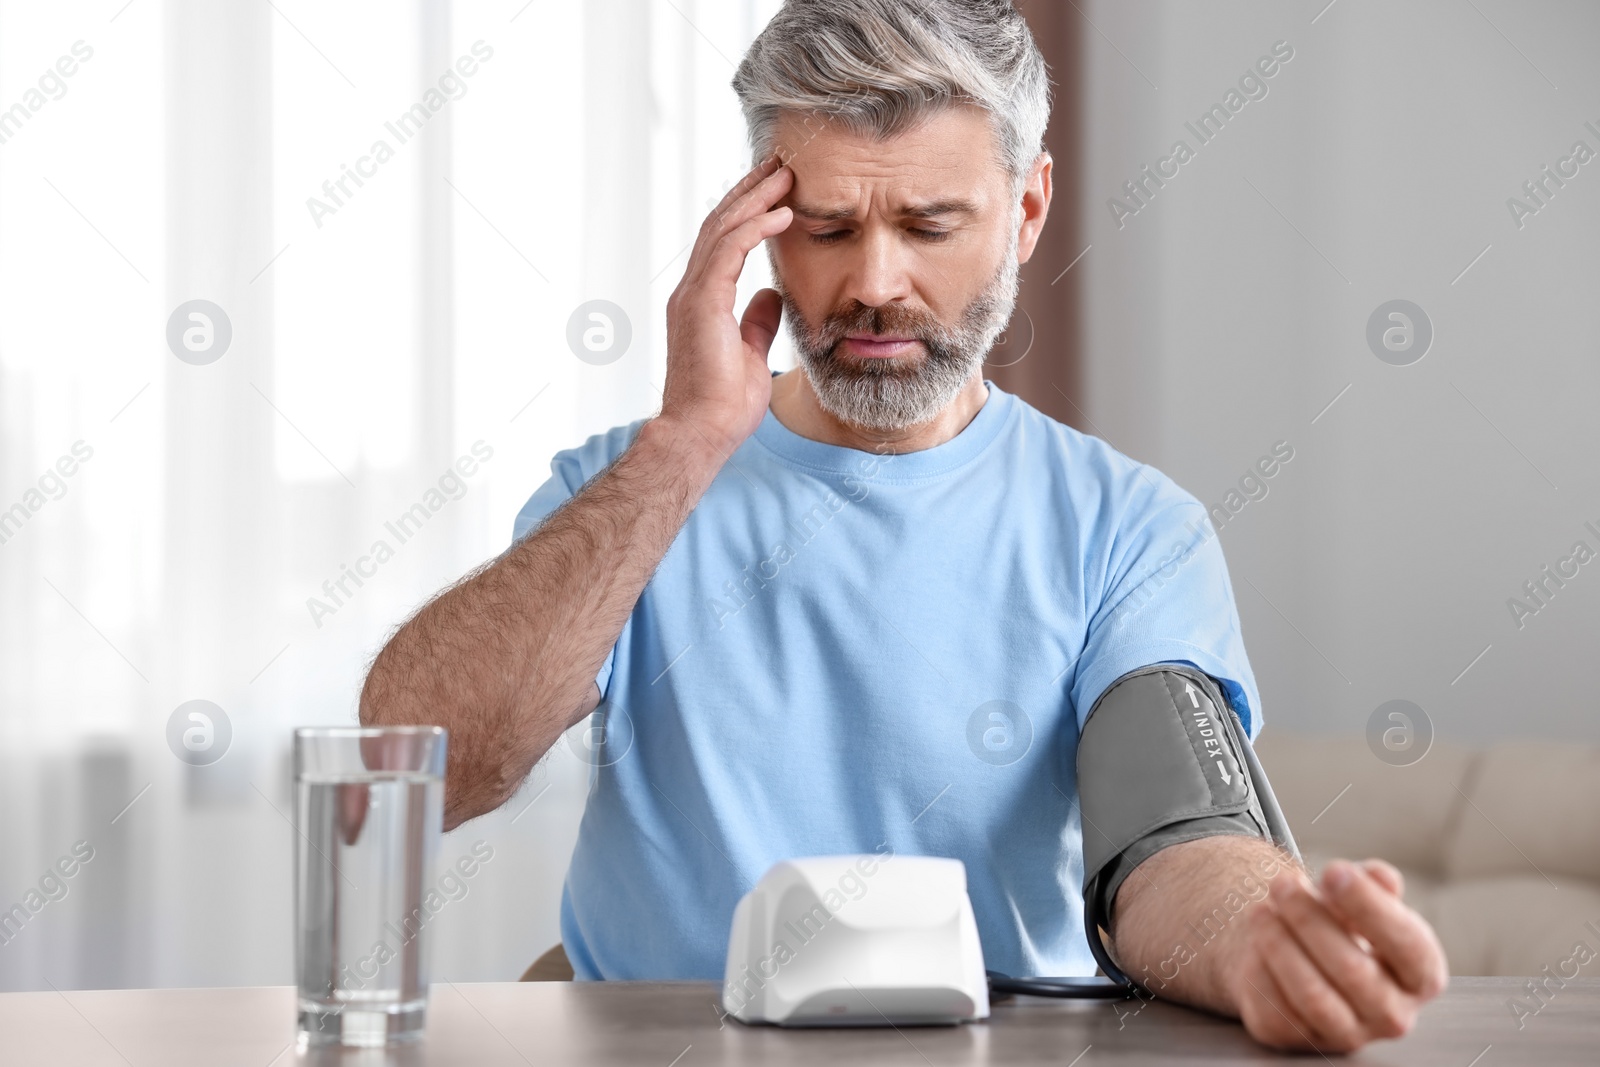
column 719, row 224
column 1285, row 890
column 1399, row 936
column 727, row 257
column 751, row 179
column 1387, row 875
column 760, row 323
column 1334, row 1024
column 759, row 198
column 1267, row 1013
column 1384, row 1009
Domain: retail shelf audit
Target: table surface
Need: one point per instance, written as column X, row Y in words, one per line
column 676, row 1024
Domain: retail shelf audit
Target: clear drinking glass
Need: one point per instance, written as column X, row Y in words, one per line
column 369, row 804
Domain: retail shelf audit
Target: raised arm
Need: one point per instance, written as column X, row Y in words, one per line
column 506, row 658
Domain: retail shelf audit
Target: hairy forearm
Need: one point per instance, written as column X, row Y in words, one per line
column 505, row 659
column 1179, row 918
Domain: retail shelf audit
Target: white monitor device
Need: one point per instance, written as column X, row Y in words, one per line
column 866, row 940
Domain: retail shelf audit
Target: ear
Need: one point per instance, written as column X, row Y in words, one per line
column 1035, row 206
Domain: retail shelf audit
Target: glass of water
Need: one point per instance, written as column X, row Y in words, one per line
column 369, row 804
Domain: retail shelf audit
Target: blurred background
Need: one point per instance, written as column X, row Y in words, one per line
column 186, row 488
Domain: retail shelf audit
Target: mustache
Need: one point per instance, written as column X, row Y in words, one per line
column 856, row 317
column 888, row 319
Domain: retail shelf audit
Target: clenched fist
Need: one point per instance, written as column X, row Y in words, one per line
column 1333, row 966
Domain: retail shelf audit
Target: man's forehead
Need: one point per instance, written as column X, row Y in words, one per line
column 943, row 166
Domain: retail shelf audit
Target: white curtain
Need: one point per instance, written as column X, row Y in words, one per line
column 396, row 208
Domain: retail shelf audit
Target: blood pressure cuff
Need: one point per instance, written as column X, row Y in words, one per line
column 1163, row 759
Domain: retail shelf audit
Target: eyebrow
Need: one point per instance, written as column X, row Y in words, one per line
column 932, row 209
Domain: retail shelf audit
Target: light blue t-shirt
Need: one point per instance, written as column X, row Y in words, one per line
column 845, row 652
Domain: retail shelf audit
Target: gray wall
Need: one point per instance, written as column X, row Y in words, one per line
column 1232, row 308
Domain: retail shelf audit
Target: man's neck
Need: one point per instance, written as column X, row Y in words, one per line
column 795, row 404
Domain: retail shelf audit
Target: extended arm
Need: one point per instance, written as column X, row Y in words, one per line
column 1305, row 966
column 1191, row 867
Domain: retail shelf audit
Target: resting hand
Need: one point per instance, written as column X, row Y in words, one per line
column 1331, row 967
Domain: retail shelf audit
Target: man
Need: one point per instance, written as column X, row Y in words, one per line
column 868, row 604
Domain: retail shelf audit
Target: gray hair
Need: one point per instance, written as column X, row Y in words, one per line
column 880, row 66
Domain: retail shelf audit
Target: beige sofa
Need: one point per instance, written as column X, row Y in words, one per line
column 1500, row 846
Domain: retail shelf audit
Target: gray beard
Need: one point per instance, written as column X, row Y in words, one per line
column 887, row 395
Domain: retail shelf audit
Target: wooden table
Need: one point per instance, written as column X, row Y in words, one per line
column 674, row 1024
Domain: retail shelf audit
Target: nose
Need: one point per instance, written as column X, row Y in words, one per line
column 879, row 274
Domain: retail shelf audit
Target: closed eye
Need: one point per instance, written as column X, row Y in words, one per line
column 832, row 236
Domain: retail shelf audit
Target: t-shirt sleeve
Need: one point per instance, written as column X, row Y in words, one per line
column 1168, row 599
column 570, row 469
